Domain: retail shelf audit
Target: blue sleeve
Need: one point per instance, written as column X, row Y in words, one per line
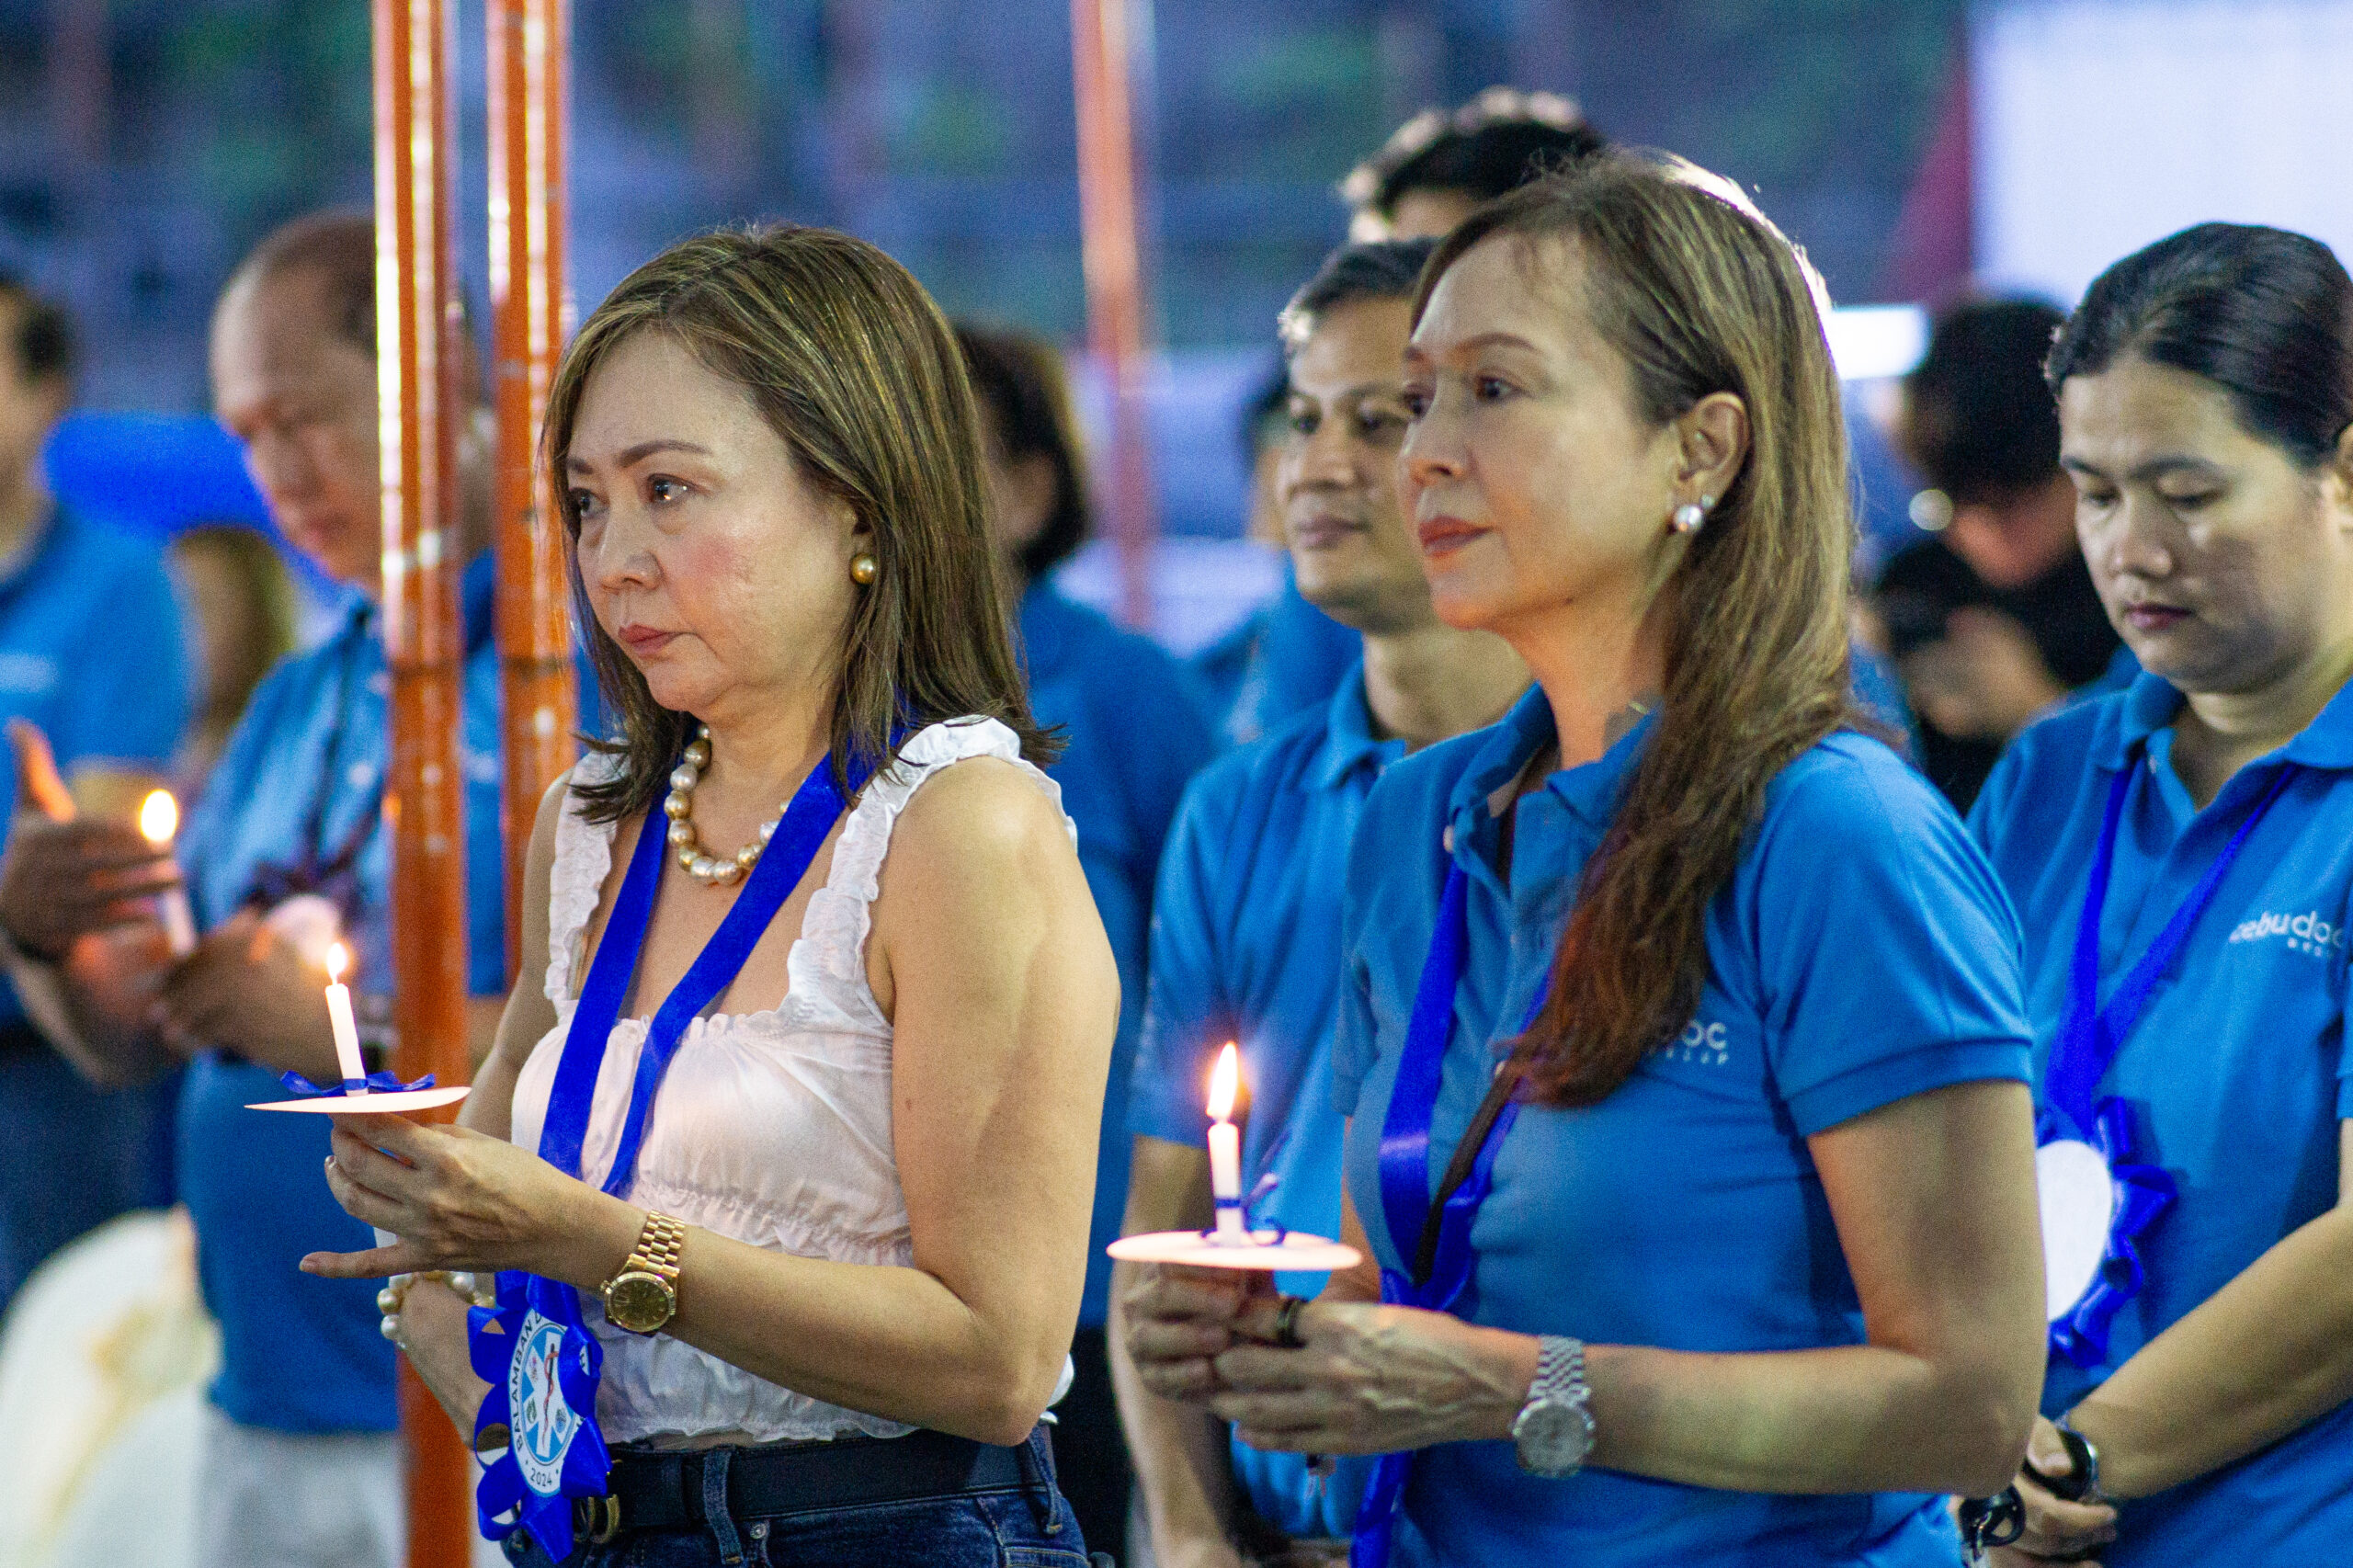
column 1891, row 966
column 1186, row 1014
column 130, row 679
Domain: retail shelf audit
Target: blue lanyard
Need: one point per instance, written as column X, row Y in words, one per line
column 1405, row 1186
column 2090, row 1035
column 815, row 806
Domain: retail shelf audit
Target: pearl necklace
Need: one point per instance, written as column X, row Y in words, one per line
column 710, row 872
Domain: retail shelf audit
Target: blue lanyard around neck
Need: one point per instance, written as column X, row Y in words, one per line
column 2090, row 1036
column 815, row 806
column 1405, row 1185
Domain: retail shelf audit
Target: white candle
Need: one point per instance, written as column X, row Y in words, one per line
column 346, row 1028
column 159, row 822
column 1225, row 1146
column 346, row 1040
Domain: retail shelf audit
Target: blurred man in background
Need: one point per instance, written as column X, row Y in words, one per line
column 1993, row 618
column 91, row 653
column 1246, row 930
column 1286, row 656
column 302, row 1460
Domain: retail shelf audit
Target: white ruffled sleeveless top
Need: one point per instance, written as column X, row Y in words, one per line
column 772, row 1128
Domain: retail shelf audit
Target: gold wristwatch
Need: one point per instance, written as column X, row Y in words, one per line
column 644, row 1294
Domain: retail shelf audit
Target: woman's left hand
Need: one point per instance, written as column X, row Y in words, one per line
column 455, row 1198
column 1370, row 1379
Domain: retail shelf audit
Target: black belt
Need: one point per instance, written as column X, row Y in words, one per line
column 664, row 1490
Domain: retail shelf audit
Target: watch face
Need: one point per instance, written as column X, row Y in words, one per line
column 638, row 1302
column 1553, row 1438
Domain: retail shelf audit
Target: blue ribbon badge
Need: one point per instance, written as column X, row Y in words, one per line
column 543, row 1365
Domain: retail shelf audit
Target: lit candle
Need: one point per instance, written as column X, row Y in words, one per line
column 159, row 822
column 346, row 1028
column 1225, row 1147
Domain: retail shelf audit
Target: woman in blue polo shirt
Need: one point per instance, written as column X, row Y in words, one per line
column 1737, row 1266
column 2195, row 831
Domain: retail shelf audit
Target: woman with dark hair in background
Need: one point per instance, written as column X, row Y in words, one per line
column 2181, row 854
column 1134, row 729
column 814, row 1117
column 1698, row 1014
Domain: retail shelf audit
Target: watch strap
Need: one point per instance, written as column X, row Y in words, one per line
column 1559, row 1371
column 658, row 1246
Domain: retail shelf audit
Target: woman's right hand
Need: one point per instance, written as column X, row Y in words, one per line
column 1181, row 1321
column 2056, row 1530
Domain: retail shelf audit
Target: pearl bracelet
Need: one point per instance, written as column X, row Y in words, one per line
column 394, row 1296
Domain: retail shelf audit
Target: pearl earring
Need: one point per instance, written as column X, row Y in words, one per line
column 1692, row 513
column 863, row 569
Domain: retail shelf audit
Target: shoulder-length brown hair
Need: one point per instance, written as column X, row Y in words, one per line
column 849, row 361
column 1701, row 295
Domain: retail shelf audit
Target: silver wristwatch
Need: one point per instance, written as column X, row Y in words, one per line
column 1553, row 1432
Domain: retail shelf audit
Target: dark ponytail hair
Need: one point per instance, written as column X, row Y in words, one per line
column 1700, row 294
column 2264, row 315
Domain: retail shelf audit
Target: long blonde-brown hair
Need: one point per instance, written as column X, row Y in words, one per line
column 853, row 365
column 1700, row 294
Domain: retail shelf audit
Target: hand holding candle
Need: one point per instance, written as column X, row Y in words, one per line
column 159, row 824
column 1232, row 1245
column 1225, row 1146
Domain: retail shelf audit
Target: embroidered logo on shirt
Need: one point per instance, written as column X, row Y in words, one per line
column 2304, row 933
column 1701, row 1043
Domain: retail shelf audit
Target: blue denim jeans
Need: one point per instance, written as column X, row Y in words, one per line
column 1031, row 1528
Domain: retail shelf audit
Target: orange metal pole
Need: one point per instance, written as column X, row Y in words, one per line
column 1111, row 252
column 529, row 45
column 417, row 336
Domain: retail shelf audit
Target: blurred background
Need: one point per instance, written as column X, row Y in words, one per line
column 1911, row 145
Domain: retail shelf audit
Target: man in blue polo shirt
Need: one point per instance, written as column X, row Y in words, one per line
column 302, row 1462
column 91, row 651
column 1246, row 924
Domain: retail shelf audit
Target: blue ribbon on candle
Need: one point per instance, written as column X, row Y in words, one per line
column 374, row 1083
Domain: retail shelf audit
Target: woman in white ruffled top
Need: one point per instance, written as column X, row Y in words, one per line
column 871, row 1158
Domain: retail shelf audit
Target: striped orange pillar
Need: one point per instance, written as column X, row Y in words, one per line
column 529, row 49
column 1112, row 253
column 417, row 339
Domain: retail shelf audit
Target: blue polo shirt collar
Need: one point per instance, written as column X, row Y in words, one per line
column 1590, row 791
column 2150, row 703
column 1349, row 744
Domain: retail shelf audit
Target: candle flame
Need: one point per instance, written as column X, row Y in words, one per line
column 1223, row 1079
column 339, row 960
column 159, row 817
